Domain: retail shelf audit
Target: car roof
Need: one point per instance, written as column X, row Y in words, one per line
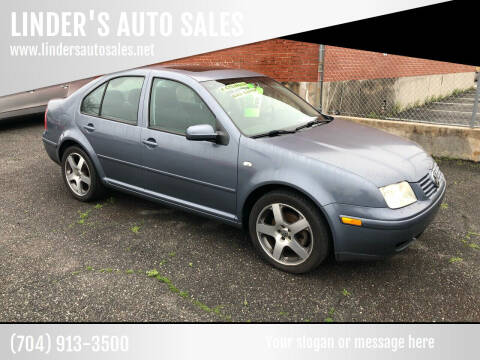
column 205, row 73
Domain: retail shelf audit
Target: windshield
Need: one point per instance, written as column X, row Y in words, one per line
column 258, row 105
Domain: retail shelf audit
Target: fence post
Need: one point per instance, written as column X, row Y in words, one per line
column 475, row 107
column 321, row 68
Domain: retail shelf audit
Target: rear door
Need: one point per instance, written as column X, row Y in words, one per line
column 109, row 119
column 200, row 174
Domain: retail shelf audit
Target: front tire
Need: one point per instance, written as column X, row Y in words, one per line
column 289, row 231
column 80, row 176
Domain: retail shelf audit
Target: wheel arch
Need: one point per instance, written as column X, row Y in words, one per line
column 259, row 191
column 68, row 142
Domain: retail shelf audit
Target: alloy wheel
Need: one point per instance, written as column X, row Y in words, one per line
column 284, row 234
column 77, row 174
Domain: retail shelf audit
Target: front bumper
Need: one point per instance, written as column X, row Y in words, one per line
column 384, row 232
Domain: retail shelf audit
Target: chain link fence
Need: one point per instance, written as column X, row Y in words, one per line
column 383, row 86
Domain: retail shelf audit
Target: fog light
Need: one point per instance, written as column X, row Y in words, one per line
column 351, row 221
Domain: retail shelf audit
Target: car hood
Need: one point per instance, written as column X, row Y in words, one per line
column 373, row 154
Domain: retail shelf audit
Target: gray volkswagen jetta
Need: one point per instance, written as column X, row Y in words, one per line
column 239, row 147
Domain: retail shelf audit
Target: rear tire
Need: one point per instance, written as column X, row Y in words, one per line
column 80, row 176
column 289, row 231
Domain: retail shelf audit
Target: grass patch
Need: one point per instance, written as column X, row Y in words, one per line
column 152, row 273
column 185, row 295
column 455, row 259
column 172, row 287
column 83, row 216
column 161, row 263
column 202, row 306
column 469, row 238
column 135, row 229
column 218, row 309
column 330, row 314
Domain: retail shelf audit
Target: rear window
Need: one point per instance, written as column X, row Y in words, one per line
column 117, row 99
column 91, row 103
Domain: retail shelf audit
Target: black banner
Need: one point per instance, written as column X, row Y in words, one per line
column 447, row 32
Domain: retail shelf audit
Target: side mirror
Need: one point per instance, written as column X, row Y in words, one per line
column 202, row 132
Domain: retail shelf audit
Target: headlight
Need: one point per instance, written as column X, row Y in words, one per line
column 398, row 195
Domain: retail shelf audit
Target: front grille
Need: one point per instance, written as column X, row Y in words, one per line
column 427, row 182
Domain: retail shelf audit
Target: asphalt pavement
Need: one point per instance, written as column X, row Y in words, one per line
column 63, row 260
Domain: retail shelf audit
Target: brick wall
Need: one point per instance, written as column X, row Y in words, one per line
column 348, row 64
column 283, row 60
column 288, row 61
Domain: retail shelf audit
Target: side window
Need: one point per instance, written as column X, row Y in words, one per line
column 121, row 99
column 91, row 103
column 174, row 107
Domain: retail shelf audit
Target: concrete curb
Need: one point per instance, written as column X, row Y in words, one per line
column 439, row 140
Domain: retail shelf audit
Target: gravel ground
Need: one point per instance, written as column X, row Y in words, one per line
column 63, row 260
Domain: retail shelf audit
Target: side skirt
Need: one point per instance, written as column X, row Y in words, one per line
column 174, row 202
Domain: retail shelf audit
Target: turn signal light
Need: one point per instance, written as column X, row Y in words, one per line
column 351, row 221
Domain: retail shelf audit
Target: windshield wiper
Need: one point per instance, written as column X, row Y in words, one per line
column 274, row 133
column 326, row 120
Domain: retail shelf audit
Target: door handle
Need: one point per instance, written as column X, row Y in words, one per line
column 150, row 142
column 89, row 127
